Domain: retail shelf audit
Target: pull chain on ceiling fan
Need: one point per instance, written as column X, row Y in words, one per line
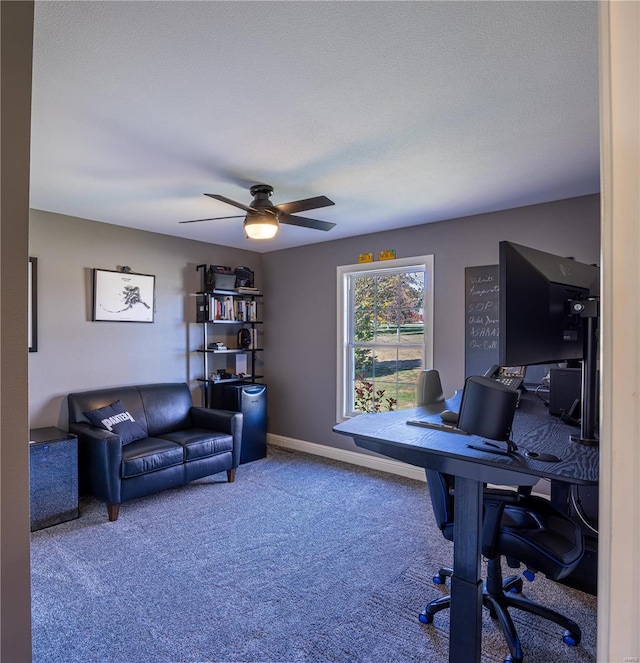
column 263, row 219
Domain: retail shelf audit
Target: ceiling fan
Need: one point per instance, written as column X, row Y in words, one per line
column 263, row 218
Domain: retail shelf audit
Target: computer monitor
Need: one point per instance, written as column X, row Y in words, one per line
column 548, row 313
column 536, row 325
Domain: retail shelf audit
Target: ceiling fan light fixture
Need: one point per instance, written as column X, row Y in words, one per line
column 260, row 226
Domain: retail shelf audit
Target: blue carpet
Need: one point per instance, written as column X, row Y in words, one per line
column 301, row 560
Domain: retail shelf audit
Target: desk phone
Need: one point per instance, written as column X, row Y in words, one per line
column 510, row 376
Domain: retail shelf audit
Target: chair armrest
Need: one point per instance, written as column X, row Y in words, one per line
column 99, row 460
column 222, row 421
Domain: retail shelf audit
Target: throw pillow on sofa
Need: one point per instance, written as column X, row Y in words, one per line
column 116, row 419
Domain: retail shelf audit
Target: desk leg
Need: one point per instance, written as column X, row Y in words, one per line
column 465, row 636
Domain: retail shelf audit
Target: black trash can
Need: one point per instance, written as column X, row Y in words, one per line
column 251, row 400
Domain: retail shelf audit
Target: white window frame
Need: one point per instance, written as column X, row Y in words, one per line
column 418, row 263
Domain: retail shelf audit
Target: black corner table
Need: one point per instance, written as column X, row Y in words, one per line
column 53, row 477
column 533, row 429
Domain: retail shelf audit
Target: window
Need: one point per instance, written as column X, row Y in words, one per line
column 385, row 333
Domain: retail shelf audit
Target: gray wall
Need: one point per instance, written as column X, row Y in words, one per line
column 75, row 353
column 301, row 305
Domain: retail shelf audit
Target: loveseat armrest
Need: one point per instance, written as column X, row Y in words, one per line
column 221, row 421
column 99, row 460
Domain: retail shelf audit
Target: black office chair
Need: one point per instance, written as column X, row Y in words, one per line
column 524, row 529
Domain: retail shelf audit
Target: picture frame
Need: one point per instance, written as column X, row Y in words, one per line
column 33, row 305
column 122, row 296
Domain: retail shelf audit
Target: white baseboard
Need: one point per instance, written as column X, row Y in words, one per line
column 364, row 460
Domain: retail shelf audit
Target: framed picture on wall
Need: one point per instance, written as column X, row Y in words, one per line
column 33, row 305
column 123, row 296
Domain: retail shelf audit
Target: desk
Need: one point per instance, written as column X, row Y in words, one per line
column 388, row 434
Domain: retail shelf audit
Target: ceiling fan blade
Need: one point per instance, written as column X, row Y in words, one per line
column 303, row 222
column 215, row 218
column 235, row 203
column 304, row 205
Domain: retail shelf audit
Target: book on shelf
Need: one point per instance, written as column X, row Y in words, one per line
column 226, row 308
column 221, row 308
column 246, row 311
column 253, row 345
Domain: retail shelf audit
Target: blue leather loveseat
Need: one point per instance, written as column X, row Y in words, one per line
column 138, row 440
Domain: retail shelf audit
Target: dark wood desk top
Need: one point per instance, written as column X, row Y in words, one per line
column 533, row 430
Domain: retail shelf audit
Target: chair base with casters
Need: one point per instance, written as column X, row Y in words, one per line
column 523, row 529
column 498, row 595
column 511, row 584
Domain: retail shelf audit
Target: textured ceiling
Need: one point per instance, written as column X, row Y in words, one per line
column 401, row 112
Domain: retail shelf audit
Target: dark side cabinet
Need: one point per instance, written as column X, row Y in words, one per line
column 53, row 474
column 251, row 400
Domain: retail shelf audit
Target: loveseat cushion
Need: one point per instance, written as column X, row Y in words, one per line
column 148, row 455
column 116, row 419
column 200, row 443
column 167, row 407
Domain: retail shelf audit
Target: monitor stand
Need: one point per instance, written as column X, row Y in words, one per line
column 589, row 377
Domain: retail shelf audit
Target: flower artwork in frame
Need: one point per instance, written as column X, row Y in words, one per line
column 123, row 296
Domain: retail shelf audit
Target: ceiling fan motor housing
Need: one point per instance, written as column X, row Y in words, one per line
column 261, row 194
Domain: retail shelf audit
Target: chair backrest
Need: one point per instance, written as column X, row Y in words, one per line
column 429, row 387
